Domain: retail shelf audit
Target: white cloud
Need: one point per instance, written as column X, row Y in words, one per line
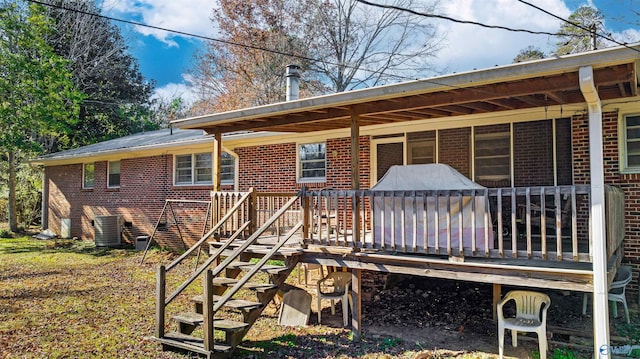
column 472, row 46
column 174, row 90
column 189, row 16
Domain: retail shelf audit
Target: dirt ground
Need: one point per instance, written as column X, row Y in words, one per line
column 457, row 316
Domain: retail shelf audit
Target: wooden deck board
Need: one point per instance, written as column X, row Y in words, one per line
column 576, row 276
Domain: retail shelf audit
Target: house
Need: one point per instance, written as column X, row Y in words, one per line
column 559, row 132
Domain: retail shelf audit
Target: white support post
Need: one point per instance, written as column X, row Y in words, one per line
column 597, row 226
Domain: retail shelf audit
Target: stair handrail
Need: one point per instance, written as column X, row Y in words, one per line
column 212, row 231
column 207, row 263
column 256, row 267
column 254, row 236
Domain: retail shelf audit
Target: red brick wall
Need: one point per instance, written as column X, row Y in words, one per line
column 564, row 161
column 533, row 153
column 273, row 167
column 389, row 154
column 267, row 168
column 455, row 149
column 145, row 183
column 630, row 183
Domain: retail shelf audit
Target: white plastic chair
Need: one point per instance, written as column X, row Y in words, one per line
column 339, row 283
column 616, row 292
column 305, row 268
column 531, row 316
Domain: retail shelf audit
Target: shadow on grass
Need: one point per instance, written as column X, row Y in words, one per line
column 46, row 293
column 320, row 346
column 24, row 276
column 30, row 245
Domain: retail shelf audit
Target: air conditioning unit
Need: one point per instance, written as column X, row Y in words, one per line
column 108, row 231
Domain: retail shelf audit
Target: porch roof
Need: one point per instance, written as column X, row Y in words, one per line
column 547, row 82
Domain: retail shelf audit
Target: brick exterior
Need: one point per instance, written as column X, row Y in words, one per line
column 147, row 182
column 533, row 153
column 630, row 183
column 455, row 149
column 389, row 154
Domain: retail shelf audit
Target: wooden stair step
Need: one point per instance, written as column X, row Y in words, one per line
column 268, row 268
column 225, row 325
column 239, row 304
column 188, row 342
column 260, row 248
column 230, row 282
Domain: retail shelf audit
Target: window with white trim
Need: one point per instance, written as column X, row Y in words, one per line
column 193, row 169
column 492, row 156
column 312, row 162
column 87, row 175
column 113, row 178
column 631, row 156
column 228, row 169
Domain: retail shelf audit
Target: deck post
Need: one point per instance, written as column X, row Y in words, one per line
column 355, row 176
column 217, row 178
column 355, row 151
column 207, row 310
column 356, row 303
column 160, row 297
column 306, row 215
column 253, row 210
column 597, row 227
column 497, row 295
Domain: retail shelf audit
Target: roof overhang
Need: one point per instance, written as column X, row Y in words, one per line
column 70, row 157
column 547, row 82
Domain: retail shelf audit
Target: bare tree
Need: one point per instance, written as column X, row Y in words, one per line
column 359, row 45
column 339, row 45
column 230, row 76
column 102, row 68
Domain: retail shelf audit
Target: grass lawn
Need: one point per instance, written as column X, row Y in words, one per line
column 70, row 300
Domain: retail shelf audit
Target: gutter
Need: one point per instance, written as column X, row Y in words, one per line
column 510, row 72
column 597, row 214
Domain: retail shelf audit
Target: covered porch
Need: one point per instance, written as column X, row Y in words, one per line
column 576, row 247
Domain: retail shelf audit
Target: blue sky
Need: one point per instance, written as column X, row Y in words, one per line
column 166, row 57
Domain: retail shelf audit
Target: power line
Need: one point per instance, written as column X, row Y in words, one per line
column 136, row 23
column 203, row 37
column 580, row 26
column 443, row 17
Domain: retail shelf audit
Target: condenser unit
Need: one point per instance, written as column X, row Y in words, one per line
column 108, row 231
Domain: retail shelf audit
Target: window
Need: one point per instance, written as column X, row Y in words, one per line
column 421, row 147
column 228, row 169
column 632, row 142
column 492, row 156
column 193, row 169
column 87, row 175
column 114, row 174
column 312, row 161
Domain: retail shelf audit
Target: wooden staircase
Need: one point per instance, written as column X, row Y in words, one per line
column 218, row 320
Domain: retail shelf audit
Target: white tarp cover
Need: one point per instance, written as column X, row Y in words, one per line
column 390, row 212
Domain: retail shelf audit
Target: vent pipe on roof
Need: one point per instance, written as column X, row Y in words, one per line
column 293, row 80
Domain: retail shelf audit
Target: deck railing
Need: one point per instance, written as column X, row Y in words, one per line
column 546, row 223
column 542, row 223
column 258, row 211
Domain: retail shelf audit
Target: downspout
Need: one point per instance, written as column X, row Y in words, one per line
column 597, row 228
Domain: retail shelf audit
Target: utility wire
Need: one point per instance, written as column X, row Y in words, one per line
column 580, row 26
column 203, row 37
column 443, row 17
column 136, row 23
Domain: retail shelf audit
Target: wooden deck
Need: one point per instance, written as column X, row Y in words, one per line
column 515, row 241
